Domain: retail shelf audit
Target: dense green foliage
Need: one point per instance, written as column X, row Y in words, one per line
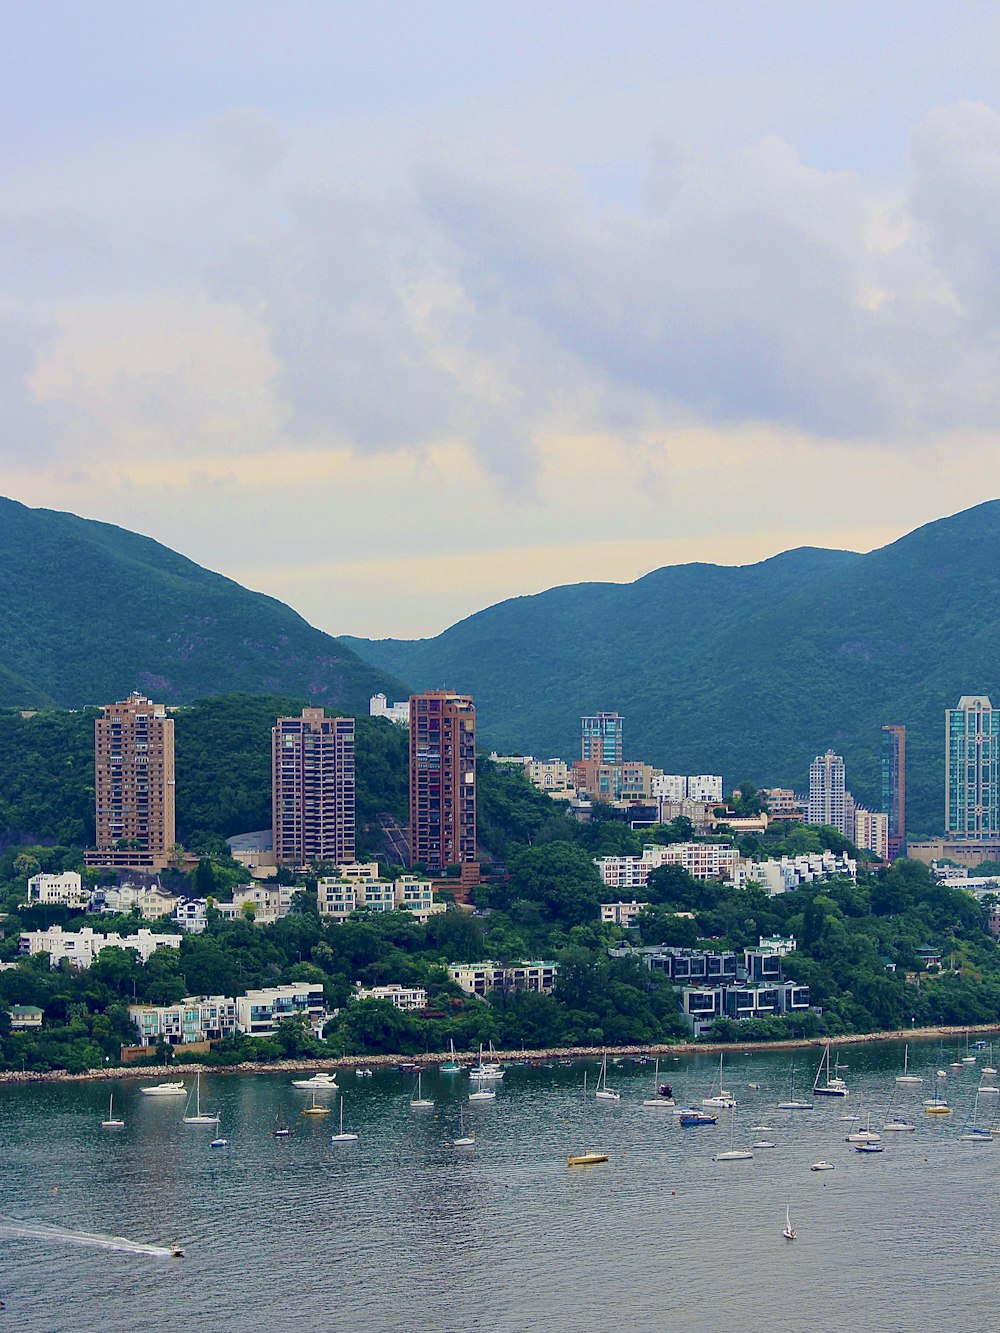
column 90, row 612
column 748, row 672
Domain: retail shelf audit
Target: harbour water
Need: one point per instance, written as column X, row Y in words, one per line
column 399, row 1231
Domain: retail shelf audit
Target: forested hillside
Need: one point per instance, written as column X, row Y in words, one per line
column 750, row 671
column 90, row 612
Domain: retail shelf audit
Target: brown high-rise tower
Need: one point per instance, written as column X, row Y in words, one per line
column 312, row 791
column 134, row 784
column 442, row 779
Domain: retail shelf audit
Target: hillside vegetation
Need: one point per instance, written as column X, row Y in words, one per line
column 749, row 671
column 90, row 612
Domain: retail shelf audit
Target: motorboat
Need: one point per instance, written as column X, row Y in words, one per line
column 318, row 1083
column 764, row 1143
column 895, row 1125
column 822, row 1166
column 176, row 1252
column 165, row 1090
column 362, row 1073
column 868, row 1147
column 219, row 1143
column 690, row 1118
column 587, row 1159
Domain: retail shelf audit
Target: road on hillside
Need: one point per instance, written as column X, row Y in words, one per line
column 396, row 837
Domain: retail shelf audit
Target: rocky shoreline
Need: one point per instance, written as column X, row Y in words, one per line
column 426, row 1060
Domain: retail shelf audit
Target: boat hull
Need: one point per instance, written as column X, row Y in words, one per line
column 587, row 1159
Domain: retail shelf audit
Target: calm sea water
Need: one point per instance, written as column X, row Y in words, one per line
column 400, row 1232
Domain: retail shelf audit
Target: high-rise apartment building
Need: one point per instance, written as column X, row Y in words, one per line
column 972, row 750
column 601, row 738
column 134, row 783
column 312, row 788
column 442, row 779
column 894, row 787
column 827, row 804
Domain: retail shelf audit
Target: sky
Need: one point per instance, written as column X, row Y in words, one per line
column 394, row 311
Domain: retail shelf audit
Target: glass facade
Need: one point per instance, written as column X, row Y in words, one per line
column 972, row 749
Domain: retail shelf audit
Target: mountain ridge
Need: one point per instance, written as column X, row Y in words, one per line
column 137, row 614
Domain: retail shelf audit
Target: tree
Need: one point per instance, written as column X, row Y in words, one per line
column 561, row 877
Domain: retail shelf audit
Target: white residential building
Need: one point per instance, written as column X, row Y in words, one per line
column 786, row 874
column 81, row 947
column 703, row 860
column 827, row 792
column 379, row 706
column 259, row 1012
column 191, row 914
column 408, row 998
column 118, row 900
column 481, row 978
column 621, row 914
column 338, row 897
column 677, row 787
column 871, row 832
column 196, row 1018
column 65, row 890
column 549, row 774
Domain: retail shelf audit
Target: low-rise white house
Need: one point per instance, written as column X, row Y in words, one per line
column 191, row 914
column 339, row 896
column 782, row 876
column 622, row 914
column 403, row 997
column 481, row 978
column 379, row 706
column 259, row 1012
column 81, row 947
column 703, row 860
column 65, row 890
column 196, row 1018
column 118, row 900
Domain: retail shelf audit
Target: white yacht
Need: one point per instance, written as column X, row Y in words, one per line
column 165, row 1090
column 318, row 1083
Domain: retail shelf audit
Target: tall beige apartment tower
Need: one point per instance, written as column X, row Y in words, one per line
column 442, row 779
column 312, row 788
column 134, row 784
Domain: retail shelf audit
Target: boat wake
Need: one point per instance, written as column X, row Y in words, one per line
column 43, row 1231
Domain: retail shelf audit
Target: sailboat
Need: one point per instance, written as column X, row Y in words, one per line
column 112, row 1121
column 793, row 1103
column 906, row 1076
column 990, row 1069
column 486, row 1069
column 342, row 1137
column 420, row 1102
column 663, row 1093
column 723, row 1098
column 936, row 1104
column 463, row 1140
column 866, row 1135
column 834, row 1086
column 281, row 1130
column 733, row 1154
column 968, row 1058
column 586, row 1158
column 788, row 1230
column 604, row 1093
column 200, row 1117
column 972, row 1132
column 314, row 1108
column 894, row 1123
column 482, row 1094
column 451, row 1066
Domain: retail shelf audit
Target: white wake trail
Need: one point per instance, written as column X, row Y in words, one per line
column 43, row 1231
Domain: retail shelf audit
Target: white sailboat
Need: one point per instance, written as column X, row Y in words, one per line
column 793, row 1103
column 463, row 1140
column 972, row 1131
column 723, row 1098
column 834, row 1085
column 663, row 1093
column 420, row 1102
column 734, row 1154
column 906, row 1076
column 603, row 1092
column 343, row 1137
column 590, row 1158
column 989, row 1069
column 866, row 1135
column 200, row 1117
column 788, row 1230
column 482, row 1094
column 894, row 1124
column 486, row 1070
column 112, row 1121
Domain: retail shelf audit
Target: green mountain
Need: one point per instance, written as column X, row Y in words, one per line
column 748, row 671
column 90, row 612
